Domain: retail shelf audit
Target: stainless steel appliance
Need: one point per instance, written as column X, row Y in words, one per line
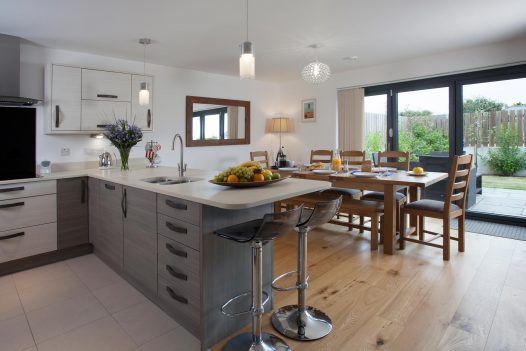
column 105, row 160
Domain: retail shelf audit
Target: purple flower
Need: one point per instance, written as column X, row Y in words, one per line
column 122, row 134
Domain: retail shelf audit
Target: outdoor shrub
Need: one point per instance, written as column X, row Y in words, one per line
column 422, row 139
column 506, row 159
column 374, row 142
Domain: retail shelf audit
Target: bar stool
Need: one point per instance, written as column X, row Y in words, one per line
column 302, row 322
column 258, row 232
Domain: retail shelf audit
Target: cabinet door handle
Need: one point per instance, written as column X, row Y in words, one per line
column 57, row 116
column 102, row 125
column 8, row 190
column 176, row 297
column 176, row 205
column 149, row 118
column 124, row 204
column 175, row 228
column 14, row 204
column 175, row 251
column 109, row 187
column 83, row 188
column 175, row 274
column 107, row 96
column 11, row 236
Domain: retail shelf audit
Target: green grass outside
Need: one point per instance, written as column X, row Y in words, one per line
column 515, row 183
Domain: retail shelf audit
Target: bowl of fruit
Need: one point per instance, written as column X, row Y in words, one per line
column 247, row 175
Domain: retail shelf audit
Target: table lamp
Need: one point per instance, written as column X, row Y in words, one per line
column 280, row 125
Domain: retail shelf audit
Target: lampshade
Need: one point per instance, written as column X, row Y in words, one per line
column 144, row 95
column 247, row 61
column 280, row 125
column 316, row 72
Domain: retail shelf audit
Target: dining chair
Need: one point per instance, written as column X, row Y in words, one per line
column 323, row 156
column 353, row 157
column 261, row 157
column 454, row 206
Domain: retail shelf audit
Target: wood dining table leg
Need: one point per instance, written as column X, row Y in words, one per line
column 414, row 195
column 389, row 219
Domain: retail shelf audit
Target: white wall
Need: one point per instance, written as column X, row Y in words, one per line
column 322, row 133
column 171, row 86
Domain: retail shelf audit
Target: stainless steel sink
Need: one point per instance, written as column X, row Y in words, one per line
column 170, row 180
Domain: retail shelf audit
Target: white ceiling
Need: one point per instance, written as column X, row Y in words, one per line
column 204, row 34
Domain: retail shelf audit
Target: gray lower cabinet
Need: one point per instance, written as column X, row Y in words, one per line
column 140, row 238
column 72, row 212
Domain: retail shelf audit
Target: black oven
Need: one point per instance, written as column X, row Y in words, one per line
column 17, row 142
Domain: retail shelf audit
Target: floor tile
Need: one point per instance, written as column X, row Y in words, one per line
column 40, row 275
column 118, row 296
column 15, row 334
column 144, row 322
column 10, row 305
column 31, row 349
column 7, row 284
column 176, row 340
column 51, row 291
column 102, row 335
column 93, row 272
column 516, row 277
column 61, row 317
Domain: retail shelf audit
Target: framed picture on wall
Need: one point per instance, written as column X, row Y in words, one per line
column 308, row 111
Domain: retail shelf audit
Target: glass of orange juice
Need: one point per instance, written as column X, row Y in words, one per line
column 336, row 161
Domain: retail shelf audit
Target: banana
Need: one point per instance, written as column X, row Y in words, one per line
column 248, row 164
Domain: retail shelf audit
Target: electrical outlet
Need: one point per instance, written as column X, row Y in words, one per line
column 65, row 151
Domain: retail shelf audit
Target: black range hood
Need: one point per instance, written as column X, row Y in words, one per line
column 10, row 73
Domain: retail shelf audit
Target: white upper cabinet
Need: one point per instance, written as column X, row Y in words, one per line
column 106, row 86
column 142, row 115
column 96, row 115
column 65, row 99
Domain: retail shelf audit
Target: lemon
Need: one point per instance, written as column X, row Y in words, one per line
column 418, row 170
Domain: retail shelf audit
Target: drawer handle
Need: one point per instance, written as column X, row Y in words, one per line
column 176, row 205
column 175, row 274
column 15, row 204
column 57, row 116
column 176, row 297
column 8, row 190
column 176, row 229
column 149, row 118
column 11, row 236
column 102, row 125
column 107, row 96
column 176, row 252
column 109, row 187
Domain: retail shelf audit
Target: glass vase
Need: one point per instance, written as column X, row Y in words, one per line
column 125, row 155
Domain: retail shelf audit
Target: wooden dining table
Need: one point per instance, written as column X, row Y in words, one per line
column 388, row 185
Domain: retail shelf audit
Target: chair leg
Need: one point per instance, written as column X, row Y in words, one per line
column 374, row 232
column 461, row 231
column 362, row 222
column 401, row 241
column 421, row 227
column 446, row 240
column 382, row 228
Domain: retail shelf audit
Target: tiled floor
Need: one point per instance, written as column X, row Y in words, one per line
column 506, row 202
column 82, row 305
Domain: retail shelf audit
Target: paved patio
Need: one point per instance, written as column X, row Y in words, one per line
column 501, row 201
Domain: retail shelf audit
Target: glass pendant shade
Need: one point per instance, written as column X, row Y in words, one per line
column 316, row 72
column 247, row 61
column 144, row 95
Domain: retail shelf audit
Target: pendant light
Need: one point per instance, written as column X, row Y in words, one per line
column 316, row 72
column 144, row 93
column 247, row 61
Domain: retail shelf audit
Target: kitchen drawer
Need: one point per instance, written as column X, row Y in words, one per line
column 179, row 265
column 182, row 305
column 180, row 209
column 107, row 86
column 17, row 190
column 179, row 231
column 97, row 114
column 30, row 211
column 24, row 242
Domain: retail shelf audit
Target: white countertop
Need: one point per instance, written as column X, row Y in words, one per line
column 201, row 192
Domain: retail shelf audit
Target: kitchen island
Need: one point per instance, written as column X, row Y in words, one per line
column 160, row 238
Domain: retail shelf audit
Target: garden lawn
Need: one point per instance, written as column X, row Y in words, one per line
column 516, row 183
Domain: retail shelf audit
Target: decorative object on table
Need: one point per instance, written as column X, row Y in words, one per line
column 245, row 175
column 280, row 125
column 308, row 111
column 247, row 61
column 151, row 148
column 316, row 72
column 248, row 184
column 45, row 167
column 144, row 93
column 123, row 136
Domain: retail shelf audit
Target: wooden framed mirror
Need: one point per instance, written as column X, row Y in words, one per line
column 213, row 122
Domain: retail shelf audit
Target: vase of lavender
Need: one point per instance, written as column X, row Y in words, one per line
column 123, row 136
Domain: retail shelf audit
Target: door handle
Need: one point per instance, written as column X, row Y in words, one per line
column 175, row 228
column 176, row 205
column 124, row 204
column 175, row 274
column 175, row 251
column 8, row 190
column 11, row 236
column 149, row 118
column 107, row 96
column 14, row 204
column 57, row 115
column 102, row 125
column 176, row 297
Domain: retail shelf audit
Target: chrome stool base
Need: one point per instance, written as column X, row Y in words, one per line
column 245, row 342
column 313, row 324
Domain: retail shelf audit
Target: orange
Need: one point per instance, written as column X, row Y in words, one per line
column 259, row 177
column 232, row 179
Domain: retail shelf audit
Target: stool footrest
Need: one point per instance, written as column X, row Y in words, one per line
column 235, row 314
column 285, row 275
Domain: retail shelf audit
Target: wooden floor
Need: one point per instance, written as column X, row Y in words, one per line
column 412, row 300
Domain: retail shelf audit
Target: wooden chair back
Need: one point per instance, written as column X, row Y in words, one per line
column 354, row 157
column 261, row 157
column 458, row 181
column 323, row 156
column 401, row 159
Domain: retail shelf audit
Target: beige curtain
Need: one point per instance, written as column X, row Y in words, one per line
column 233, row 113
column 351, row 123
